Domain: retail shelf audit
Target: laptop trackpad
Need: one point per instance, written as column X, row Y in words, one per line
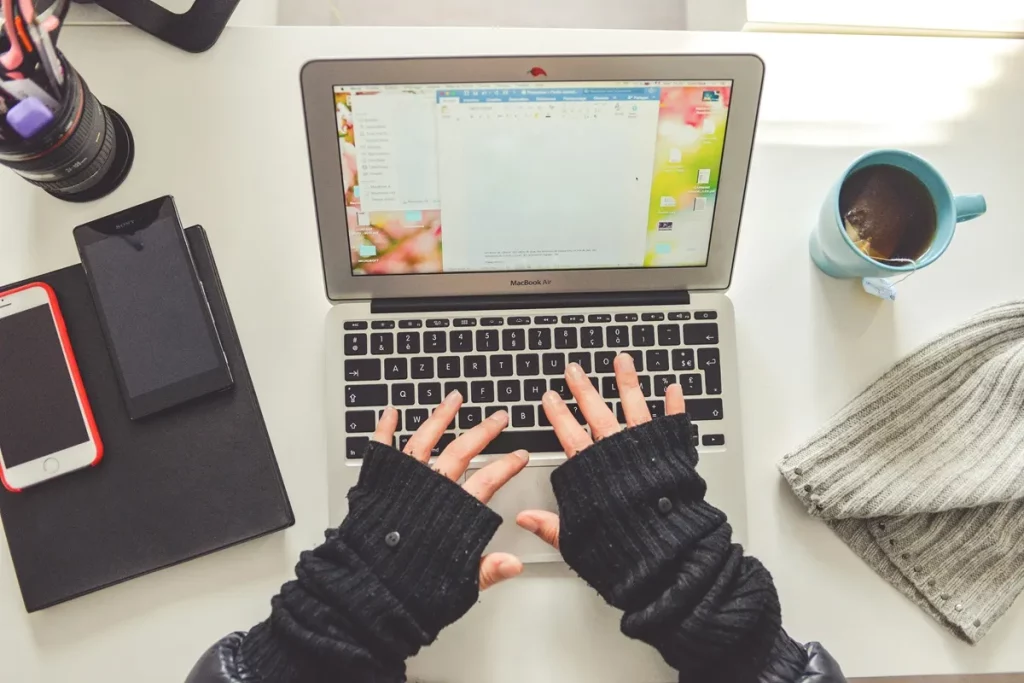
column 528, row 490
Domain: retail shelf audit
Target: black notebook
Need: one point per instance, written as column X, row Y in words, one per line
column 171, row 487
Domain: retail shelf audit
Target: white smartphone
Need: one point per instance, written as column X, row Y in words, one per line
column 46, row 425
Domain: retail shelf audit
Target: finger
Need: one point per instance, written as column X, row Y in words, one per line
column 634, row 405
column 455, row 458
column 429, row 433
column 570, row 433
column 543, row 524
column 675, row 404
column 498, row 567
column 386, row 426
column 601, row 420
column 486, row 482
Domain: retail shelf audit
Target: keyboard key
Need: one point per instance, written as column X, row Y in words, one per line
column 486, row 340
column 542, row 417
column 408, row 342
column 638, row 359
column 705, row 315
column 643, row 335
column 679, row 315
column 438, row 322
column 461, row 340
column 604, row 361
column 403, row 394
column 583, row 360
column 355, row 344
column 383, row 324
column 682, row 359
column 545, row 319
column 705, row 409
column 513, row 339
column 366, row 395
column 574, row 408
column 491, row 410
column 382, row 343
column 656, row 408
column 501, row 366
column 415, row 417
column 398, row 424
column 410, row 324
column 697, row 334
column 448, row 366
column 657, row 360
column 668, row 335
column 662, row 383
column 492, row 322
column 396, row 368
column 645, row 385
column 518, row 320
column 609, row 387
column 355, row 446
column 565, row 338
column 713, row 439
column 442, row 443
column 620, row 415
column 360, row 421
column 553, row 363
column 522, row 416
column 591, row 337
column 362, row 370
column 527, row 364
column 476, row 366
column 403, row 441
column 599, row 318
column 465, row 322
column 708, row 361
column 461, row 387
column 652, row 316
column 625, row 317
column 559, row 385
column 572, row 319
column 534, row 389
column 692, row 385
column 435, row 342
column 618, row 336
column 481, row 391
column 509, row 390
column 540, row 338
column 429, row 393
column 469, row 417
column 422, row 368
column 355, row 325
column 534, row 441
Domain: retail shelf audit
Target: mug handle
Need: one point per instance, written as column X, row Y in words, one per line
column 969, row 206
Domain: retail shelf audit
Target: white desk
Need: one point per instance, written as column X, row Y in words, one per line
column 235, row 159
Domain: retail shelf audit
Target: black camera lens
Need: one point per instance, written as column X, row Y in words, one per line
column 84, row 154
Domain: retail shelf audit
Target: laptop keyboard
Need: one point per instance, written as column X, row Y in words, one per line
column 509, row 362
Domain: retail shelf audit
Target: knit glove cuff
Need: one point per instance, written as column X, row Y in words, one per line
column 627, row 502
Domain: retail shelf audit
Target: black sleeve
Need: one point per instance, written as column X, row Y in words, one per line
column 636, row 527
column 403, row 565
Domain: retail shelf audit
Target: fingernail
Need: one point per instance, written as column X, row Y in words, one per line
column 509, row 569
column 550, row 396
column 501, row 417
column 574, row 370
column 629, row 356
column 523, row 455
column 389, row 411
column 529, row 523
column 455, row 393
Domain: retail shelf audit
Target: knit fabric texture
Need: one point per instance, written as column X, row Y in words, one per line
column 922, row 475
column 403, row 565
column 636, row 527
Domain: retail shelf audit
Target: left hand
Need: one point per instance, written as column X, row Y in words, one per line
column 454, row 461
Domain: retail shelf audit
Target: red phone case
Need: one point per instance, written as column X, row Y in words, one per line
column 76, row 377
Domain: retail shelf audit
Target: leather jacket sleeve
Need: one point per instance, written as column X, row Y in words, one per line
column 219, row 665
column 821, row 667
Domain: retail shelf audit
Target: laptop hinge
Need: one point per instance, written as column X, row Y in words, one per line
column 433, row 304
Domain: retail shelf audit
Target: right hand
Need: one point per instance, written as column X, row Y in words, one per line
column 603, row 423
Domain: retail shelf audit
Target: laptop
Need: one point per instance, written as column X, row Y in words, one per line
column 486, row 221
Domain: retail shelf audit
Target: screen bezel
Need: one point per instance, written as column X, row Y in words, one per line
column 69, row 459
column 320, row 77
column 134, row 220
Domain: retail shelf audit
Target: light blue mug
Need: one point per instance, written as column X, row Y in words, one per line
column 836, row 255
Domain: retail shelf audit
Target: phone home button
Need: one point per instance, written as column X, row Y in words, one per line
column 51, row 465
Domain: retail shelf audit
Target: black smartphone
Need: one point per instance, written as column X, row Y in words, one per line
column 152, row 307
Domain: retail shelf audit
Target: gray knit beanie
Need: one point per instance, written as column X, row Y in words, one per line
column 922, row 475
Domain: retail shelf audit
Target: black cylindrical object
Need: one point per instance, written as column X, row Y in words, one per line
column 84, row 154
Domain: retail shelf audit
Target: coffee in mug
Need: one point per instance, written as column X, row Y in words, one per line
column 888, row 213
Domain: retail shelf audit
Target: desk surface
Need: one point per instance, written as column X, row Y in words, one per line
column 235, row 159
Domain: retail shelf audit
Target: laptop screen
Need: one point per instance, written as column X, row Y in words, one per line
column 530, row 176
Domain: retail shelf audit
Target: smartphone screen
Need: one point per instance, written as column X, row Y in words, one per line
column 153, row 309
column 39, row 410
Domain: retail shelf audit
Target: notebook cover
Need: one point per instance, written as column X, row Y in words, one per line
column 171, row 487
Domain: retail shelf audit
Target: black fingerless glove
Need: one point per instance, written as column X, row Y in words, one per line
column 403, row 565
column 636, row 527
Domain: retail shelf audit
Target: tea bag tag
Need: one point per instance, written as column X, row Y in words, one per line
column 880, row 287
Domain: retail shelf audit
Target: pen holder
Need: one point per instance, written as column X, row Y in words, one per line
column 86, row 151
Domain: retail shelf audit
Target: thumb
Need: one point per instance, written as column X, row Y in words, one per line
column 497, row 567
column 542, row 523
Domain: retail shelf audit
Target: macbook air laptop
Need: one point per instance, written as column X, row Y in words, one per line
column 486, row 221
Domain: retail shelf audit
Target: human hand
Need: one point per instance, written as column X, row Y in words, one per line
column 603, row 423
column 454, row 460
